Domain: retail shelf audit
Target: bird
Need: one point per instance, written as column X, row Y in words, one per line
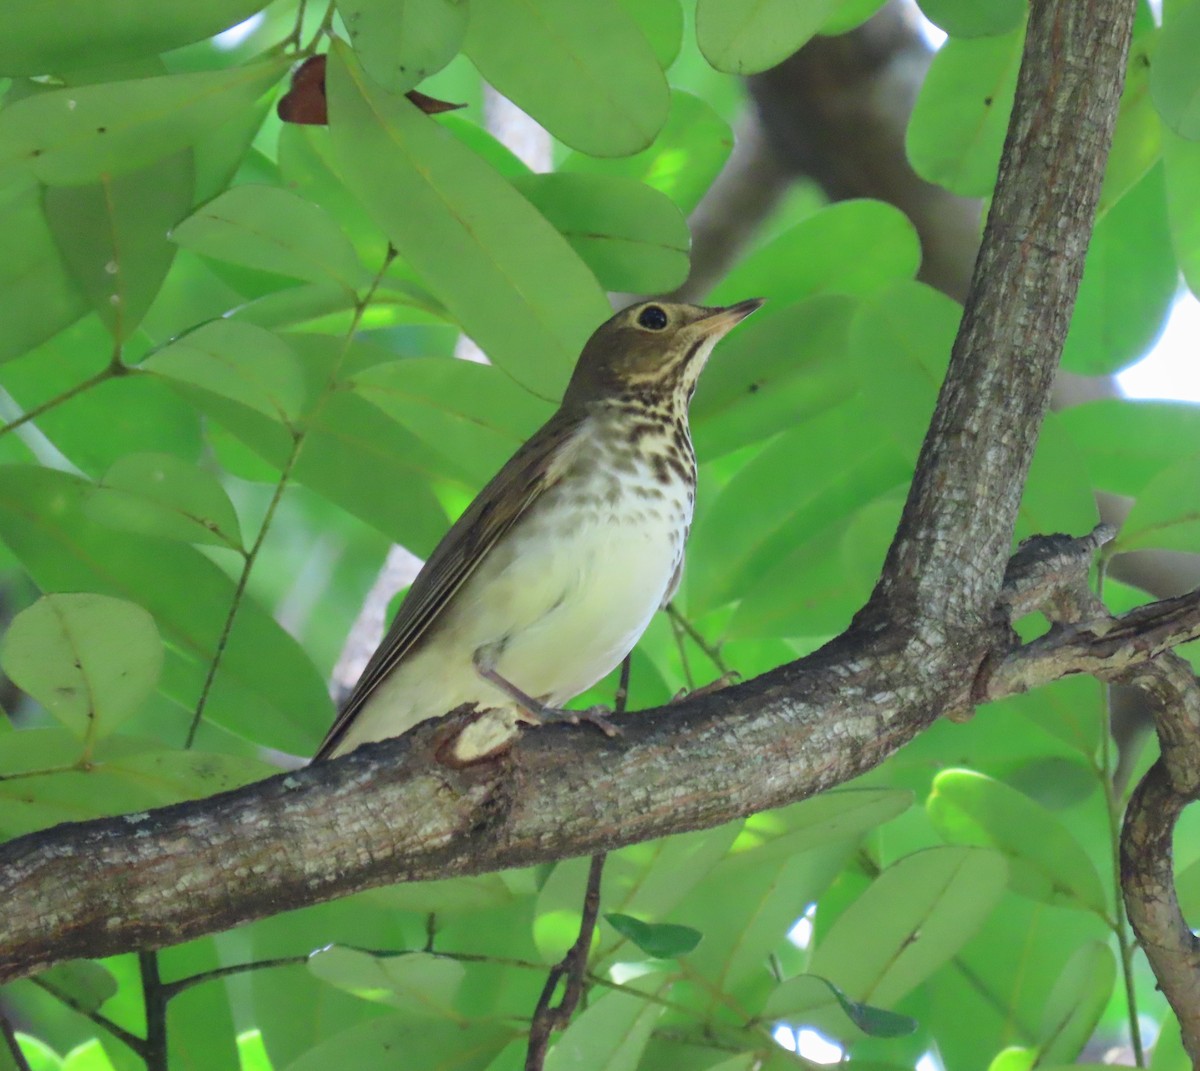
column 551, row 575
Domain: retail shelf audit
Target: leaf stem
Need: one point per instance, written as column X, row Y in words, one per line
column 112, row 370
column 154, row 997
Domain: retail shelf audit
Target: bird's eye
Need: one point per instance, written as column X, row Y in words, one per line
column 652, row 317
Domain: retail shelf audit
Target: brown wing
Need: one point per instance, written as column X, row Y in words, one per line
column 526, row 476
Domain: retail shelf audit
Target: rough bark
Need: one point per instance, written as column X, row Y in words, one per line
column 391, row 812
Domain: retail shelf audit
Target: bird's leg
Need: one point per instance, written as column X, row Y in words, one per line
column 536, row 711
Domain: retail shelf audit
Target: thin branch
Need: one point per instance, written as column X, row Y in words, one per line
column 137, row 1044
column 13, row 1046
column 154, row 998
column 546, row 1016
column 110, row 371
column 299, row 437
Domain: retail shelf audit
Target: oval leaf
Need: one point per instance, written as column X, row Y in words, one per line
column 584, row 71
column 90, row 660
column 403, row 42
column 272, row 229
column 971, row 808
column 239, row 361
column 163, row 495
column 631, row 236
column 78, row 135
column 106, row 31
column 961, row 114
column 507, row 277
column 662, row 940
column 748, row 36
column 912, row 919
column 416, row 981
column 1174, row 74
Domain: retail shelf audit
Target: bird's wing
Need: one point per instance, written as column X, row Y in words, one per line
column 537, row 466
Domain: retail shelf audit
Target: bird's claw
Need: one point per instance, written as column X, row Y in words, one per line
column 596, row 716
column 723, row 681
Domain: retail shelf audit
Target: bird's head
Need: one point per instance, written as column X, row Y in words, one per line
column 654, row 349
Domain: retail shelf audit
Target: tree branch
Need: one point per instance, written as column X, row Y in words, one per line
column 392, row 812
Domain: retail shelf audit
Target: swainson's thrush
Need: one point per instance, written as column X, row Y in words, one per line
column 552, row 574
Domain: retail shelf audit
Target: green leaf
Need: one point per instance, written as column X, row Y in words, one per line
column 686, row 156
column 661, row 940
column 236, row 360
column 916, row 915
column 39, row 1055
column 1057, row 496
column 54, row 783
column 750, row 526
column 961, row 115
column 971, row 808
column 112, row 235
column 472, row 412
column 611, row 1034
column 1166, row 513
column 95, row 32
column 163, row 495
column 770, row 890
column 90, row 1056
column 88, row 984
column 596, row 84
column 1125, row 443
column 38, row 296
column 1128, row 285
column 508, row 278
column 267, row 690
column 1139, row 135
column 1181, row 172
column 431, row 1046
column 1174, row 77
column 401, row 44
column 119, row 415
column 273, row 230
column 661, row 21
column 899, row 346
column 804, row 992
column 418, row 982
column 842, row 814
column 65, row 137
column 1076, row 1003
column 852, row 247
column 631, row 236
column 974, row 18
column 785, row 365
column 90, row 660
column 748, row 36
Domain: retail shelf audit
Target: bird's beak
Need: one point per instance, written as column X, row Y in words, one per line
column 719, row 321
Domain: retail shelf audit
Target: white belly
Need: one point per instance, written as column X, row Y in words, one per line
column 553, row 608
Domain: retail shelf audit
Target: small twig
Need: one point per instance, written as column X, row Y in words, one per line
column 137, row 1044
column 14, row 1048
column 298, row 440
column 110, row 371
column 173, row 989
column 572, row 966
column 154, row 998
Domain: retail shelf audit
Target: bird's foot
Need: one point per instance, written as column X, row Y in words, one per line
column 597, row 716
column 723, row 681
